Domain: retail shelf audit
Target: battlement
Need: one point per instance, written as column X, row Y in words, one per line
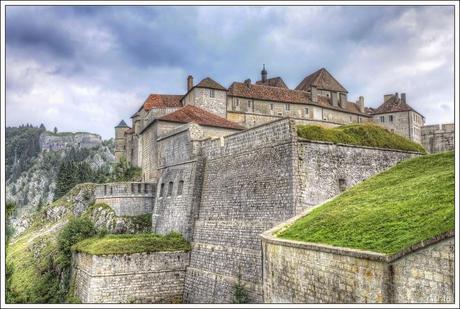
column 127, row 198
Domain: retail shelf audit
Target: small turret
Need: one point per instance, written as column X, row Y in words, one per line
column 264, row 74
column 120, row 142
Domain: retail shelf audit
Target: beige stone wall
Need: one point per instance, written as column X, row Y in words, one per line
column 438, row 138
column 407, row 124
column 298, row 272
column 201, row 97
column 427, row 275
column 130, row 278
column 249, row 112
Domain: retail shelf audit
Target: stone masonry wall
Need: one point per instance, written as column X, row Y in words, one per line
column 253, row 180
column 437, row 138
column 324, row 169
column 130, row 278
column 127, row 198
column 297, row 272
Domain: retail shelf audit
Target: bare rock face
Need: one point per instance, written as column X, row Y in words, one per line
column 61, row 141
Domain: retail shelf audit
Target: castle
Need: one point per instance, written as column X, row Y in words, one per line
column 221, row 166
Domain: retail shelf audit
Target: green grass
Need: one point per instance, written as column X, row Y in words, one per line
column 370, row 135
column 132, row 243
column 409, row 203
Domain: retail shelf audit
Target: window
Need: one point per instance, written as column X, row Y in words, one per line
column 170, row 188
column 342, row 184
column 360, row 119
column 287, row 107
column 382, row 118
column 111, row 190
column 105, row 189
column 162, row 188
column 271, row 106
column 139, row 188
column 306, row 111
column 237, row 102
column 212, row 93
column 180, row 187
column 249, row 103
column 390, row 118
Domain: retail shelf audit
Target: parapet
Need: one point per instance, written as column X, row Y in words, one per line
column 127, row 198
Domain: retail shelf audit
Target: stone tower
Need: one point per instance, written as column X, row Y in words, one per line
column 120, row 141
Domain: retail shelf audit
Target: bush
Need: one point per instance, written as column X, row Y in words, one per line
column 76, row 230
column 124, row 171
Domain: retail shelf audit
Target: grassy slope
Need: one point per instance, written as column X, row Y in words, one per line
column 29, row 254
column 122, row 244
column 410, row 202
column 359, row 134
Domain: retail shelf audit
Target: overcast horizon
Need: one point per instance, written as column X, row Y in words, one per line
column 86, row 68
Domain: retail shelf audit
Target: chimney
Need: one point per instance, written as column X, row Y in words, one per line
column 264, row 74
column 247, row 82
column 361, row 103
column 403, row 97
column 396, row 95
column 189, row 82
column 387, row 96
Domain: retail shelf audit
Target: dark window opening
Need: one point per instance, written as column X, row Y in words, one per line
column 342, row 185
column 170, row 188
column 162, row 187
column 180, row 187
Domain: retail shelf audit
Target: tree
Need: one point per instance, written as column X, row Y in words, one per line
column 42, row 126
column 240, row 295
column 55, row 130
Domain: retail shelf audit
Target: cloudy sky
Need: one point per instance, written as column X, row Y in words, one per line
column 86, row 68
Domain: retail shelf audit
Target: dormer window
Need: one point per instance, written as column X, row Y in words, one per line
column 212, row 93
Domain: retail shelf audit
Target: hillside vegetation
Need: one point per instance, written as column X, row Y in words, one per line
column 409, row 203
column 370, row 135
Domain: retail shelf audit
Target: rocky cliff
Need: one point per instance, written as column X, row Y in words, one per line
column 65, row 140
column 32, row 184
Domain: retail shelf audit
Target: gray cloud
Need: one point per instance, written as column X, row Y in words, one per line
column 85, row 68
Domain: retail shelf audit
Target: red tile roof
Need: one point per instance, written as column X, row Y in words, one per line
column 273, row 82
column 321, row 79
column 277, row 94
column 392, row 105
column 161, row 101
column 262, row 92
column 210, row 83
column 191, row 113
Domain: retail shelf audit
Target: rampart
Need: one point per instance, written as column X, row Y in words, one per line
column 254, row 180
column 298, row 272
column 438, row 137
column 130, row 278
column 127, row 198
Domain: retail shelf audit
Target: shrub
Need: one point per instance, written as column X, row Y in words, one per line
column 76, row 230
column 240, row 295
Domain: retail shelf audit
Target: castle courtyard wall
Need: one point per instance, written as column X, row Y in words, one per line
column 297, row 272
column 130, row 278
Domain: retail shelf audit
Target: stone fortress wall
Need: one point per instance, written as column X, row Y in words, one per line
column 438, row 137
column 221, row 193
column 252, row 181
column 156, row 277
column 127, row 198
column 299, row 272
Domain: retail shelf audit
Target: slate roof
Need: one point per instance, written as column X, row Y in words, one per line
column 273, row 82
column 210, row 83
column 191, row 113
column 321, row 79
column 392, row 105
column 122, row 124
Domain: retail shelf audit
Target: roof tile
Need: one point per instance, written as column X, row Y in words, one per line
column 321, row 79
column 191, row 113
